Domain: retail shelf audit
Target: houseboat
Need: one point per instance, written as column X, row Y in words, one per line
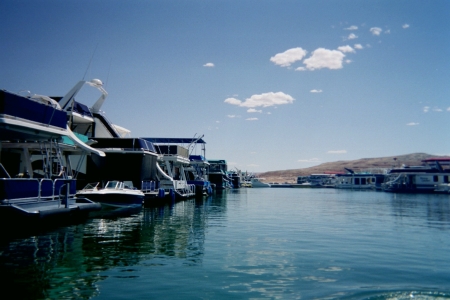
column 352, row 180
column 418, row 179
column 37, row 176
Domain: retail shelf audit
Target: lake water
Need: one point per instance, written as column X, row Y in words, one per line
column 244, row 244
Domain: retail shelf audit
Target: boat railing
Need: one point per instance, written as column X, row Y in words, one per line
column 148, row 186
column 393, row 181
column 189, row 189
column 35, row 190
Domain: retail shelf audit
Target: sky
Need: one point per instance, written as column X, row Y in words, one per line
column 271, row 84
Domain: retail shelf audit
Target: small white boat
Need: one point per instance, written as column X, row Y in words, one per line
column 246, row 183
column 115, row 194
column 257, row 183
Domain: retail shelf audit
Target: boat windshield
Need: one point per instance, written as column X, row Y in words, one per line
column 113, row 185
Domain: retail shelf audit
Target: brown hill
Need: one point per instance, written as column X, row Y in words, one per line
column 364, row 164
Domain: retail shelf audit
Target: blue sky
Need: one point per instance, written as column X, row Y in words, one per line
column 272, row 85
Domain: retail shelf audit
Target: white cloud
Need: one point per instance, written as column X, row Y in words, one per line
column 404, row 26
column 252, row 119
column 437, row 109
column 426, row 109
column 209, row 65
column 448, row 109
column 233, row 101
column 347, row 61
column 316, row 91
column 233, row 116
column 288, row 57
column 337, row 151
column 412, row 124
column 300, row 69
column 376, row 30
column 353, row 27
column 352, row 36
column 264, row 100
column 252, row 110
column 217, row 121
column 346, row 49
column 387, row 31
column 311, row 160
column 324, row 58
column 358, row 46
column 269, row 113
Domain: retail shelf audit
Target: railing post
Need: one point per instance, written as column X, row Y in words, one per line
column 67, row 192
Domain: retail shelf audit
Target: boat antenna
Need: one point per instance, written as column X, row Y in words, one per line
column 90, row 61
column 195, row 140
column 109, row 70
column 192, row 141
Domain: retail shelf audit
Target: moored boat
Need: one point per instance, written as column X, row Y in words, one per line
column 352, row 180
column 257, row 183
column 114, row 194
column 418, row 179
column 37, row 179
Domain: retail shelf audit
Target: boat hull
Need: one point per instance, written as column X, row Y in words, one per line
column 115, row 199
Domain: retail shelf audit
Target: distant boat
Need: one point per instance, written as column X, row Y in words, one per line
column 114, row 194
column 418, row 179
column 353, row 180
column 321, row 180
column 246, row 183
column 302, row 185
column 257, row 183
column 280, row 185
column 218, row 174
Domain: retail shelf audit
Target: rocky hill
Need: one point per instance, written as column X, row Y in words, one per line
column 375, row 165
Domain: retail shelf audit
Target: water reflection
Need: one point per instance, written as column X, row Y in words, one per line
column 277, row 243
column 68, row 262
column 433, row 209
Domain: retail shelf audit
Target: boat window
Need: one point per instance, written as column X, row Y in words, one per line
column 363, row 180
column 435, row 178
column 111, row 185
column 356, row 180
column 446, row 179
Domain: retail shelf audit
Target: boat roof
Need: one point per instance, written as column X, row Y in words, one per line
column 438, row 159
column 174, row 140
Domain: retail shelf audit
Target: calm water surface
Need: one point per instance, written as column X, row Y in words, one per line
column 244, row 244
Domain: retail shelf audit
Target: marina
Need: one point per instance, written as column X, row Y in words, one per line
column 233, row 149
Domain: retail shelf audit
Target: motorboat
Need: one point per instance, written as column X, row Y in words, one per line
column 115, row 193
column 257, row 183
column 246, row 183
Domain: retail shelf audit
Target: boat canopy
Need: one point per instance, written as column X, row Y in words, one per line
column 32, row 110
column 81, row 109
column 175, row 140
column 124, row 143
